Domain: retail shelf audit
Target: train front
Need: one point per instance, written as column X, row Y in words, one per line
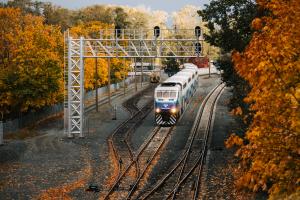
column 167, row 106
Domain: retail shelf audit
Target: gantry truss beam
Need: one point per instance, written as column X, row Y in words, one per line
column 142, row 44
column 119, row 44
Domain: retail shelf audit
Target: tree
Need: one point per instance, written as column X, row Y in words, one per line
column 121, row 18
column 171, row 65
column 119, row 69
column 229, row 24
column 271, row 64
column 57, row 16
column 187, row 18
column 26, row 6
column 30, row 63
column 99, row 13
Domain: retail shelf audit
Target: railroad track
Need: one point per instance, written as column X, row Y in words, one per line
column 124, row 188
column 119, row 138
column 183, row 181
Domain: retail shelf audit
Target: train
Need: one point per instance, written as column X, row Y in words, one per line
column 172, row 96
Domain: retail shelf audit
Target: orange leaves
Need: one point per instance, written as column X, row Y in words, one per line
column 233, row 140
column 90, row 72
column 257, row 24
column 30, row 62
column 119, row 68
column 237, row 111
column 89, row 29
column 271, row 65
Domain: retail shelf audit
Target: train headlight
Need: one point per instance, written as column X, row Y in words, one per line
column 157, row 110
column 173, row 110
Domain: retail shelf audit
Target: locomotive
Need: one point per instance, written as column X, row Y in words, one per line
column 172, row 96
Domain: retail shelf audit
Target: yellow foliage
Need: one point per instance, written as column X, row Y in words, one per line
column 271, row 65
column 119, row 68
column 89, row 29
column 30, row 62
column 237, row 111
column 233, row 140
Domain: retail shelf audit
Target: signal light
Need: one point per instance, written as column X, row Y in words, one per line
column 198, row 48
column 117, row 31
column 156, row 31
column 197, row 31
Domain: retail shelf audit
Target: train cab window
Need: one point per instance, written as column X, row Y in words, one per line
column 172, row 94
column 184, row 85
column 159, row 94
column 193, row 76
column 168, row 84
column 166, row 94
column 189, row 79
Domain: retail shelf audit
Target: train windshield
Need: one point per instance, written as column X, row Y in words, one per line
column 166, row 94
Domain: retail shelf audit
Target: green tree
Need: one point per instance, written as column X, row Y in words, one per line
column 171, row 65
column 229, row 24
column 121, row 18
column 57, row 16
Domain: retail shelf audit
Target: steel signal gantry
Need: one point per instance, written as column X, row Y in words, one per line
column 120, row 43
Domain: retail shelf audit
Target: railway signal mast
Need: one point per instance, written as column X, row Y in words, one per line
column 121, row 43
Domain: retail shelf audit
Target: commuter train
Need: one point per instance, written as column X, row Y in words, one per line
column 172, row 96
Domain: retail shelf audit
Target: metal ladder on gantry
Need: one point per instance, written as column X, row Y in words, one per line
column 120, row 43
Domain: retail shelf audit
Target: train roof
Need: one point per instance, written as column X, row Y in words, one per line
column 189, row 70
column 166, row 86
column 190, row 66
column 176, row 78
column 185, row 73
column 193, row 71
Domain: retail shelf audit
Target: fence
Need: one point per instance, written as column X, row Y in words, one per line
column 31, row 118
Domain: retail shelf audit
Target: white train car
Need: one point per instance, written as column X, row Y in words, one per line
column 195, row 76
column 172, row 96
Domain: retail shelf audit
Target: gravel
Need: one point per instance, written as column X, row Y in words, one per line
column 218, row 174
column 51, row 166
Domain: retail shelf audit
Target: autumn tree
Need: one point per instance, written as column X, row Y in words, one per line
column 271, row 64
column 26, row 6
column 119, row 68
column 30, row 62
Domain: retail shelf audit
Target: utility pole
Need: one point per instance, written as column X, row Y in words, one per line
column 108, row 63
column 142, row 72
column 124, row 76
column 96, row 83
column 209, row 60
column 135, row 81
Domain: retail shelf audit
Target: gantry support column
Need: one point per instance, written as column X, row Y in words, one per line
column 76, row 87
